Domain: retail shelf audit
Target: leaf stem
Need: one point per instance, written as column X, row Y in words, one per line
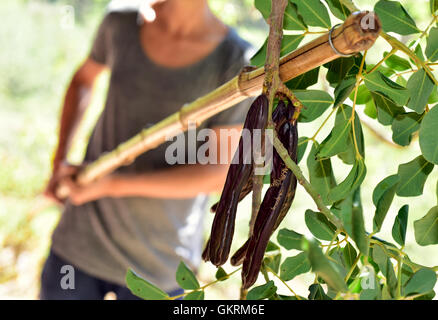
column 307, row 186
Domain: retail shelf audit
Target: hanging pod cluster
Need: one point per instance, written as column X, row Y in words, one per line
column 239, row 183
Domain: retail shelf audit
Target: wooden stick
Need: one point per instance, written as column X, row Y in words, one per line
column 349, row 38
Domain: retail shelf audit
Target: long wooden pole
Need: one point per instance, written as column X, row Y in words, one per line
column 349, row 38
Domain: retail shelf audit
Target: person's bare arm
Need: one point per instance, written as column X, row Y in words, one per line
column 76, row 101
column 178, row 182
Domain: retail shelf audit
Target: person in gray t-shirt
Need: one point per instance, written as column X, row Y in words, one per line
column 148, row 215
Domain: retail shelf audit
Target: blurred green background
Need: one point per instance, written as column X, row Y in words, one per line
column 43, row 42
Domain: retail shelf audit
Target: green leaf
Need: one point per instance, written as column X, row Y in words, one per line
column 338, row 8
column 351, row 182
column 304, row 81
column 302, row 146
column 272, row 247
column 404, row 126
column 383, row 195
column 292, row 20
column 370, row 109
column 377, row 82
column 349, row 155
column 316, row 292
column 314, row 13
column 273, row 262
column 432, row 44
column 357, row 227
column 413, row 176
column 338, row 69
column 394, row 18
column 400, row 225
column 338, row 140
column 195, row 295
column 294, row 266
column 290, row 42
column 420, row 87
column 428, row 136
column 144, row 289
column 315, row 104
column 426, row 228
column 319, row 225
column 320, row 174
column 343, row 90
column 262, row 292
column 325, row 268
column 289, row 239
column 363, row 95
column 221, row 275
column 422, row 281
column 264, row 7
column 349, row 254
column 387, row 110
column 186, row 278
column 385, row 265
column 397, row 63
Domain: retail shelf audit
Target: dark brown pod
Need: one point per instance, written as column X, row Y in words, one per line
column 274, row 207
column 218, row 247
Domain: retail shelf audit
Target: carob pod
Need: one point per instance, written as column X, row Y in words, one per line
column 240, row 171
column 278, row 117
column 274, row 206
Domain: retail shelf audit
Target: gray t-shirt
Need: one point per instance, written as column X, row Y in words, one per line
column 106, row 237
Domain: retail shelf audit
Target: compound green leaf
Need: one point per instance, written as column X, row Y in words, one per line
column 394, row 18
column 294, row 266
column 338, row 140
column 397, row 63
column 387, row 268
column 319, row 225
column 428, row 136
column 304, row 81
column 422, row 281
column 426, row 228
column 302, row 146
column 404, row 126
column 338, row 69
column 289, row 239
column 316, row 292
column 221, row 275
column 325, row 268
column 400, row 225
column 420, row 87
column 351, row 182
column 377, row 82
column 382, row 198
column 413, row 176
column 339, row 9
column 315, row 102
column 314, row 13
column 387, row 110
column 262, row 292
column 432, row 44
column 186, row 278
column 144, row 289
column 292, row 20
column 320, row 174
